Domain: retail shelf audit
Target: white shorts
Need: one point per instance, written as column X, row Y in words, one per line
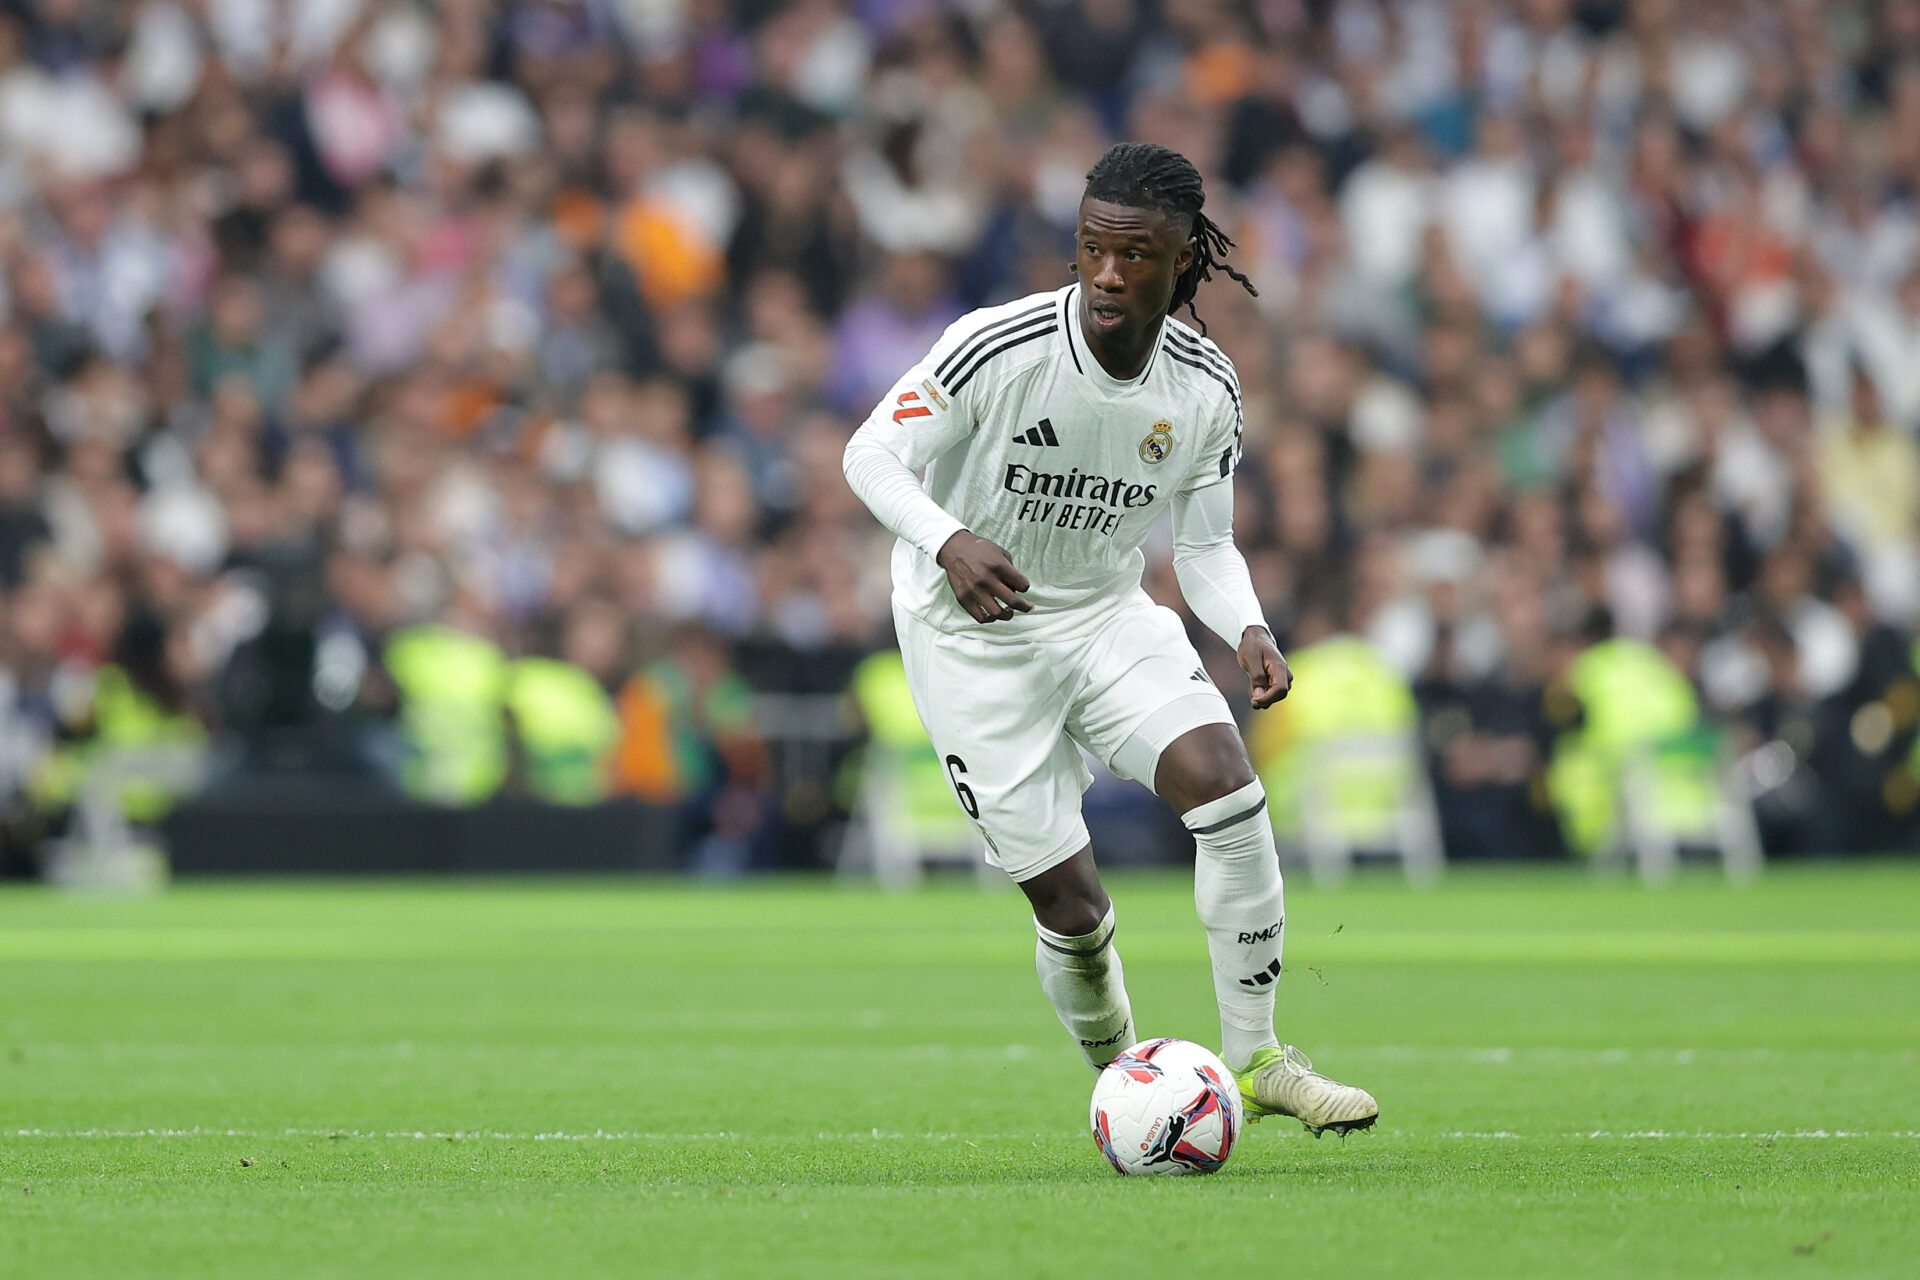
column 1006, row 715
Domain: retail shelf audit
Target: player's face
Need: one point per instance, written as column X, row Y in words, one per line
column 1128, row 260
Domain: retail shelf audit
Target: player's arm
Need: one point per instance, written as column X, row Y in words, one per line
column 1214, row 579
column 915, row 423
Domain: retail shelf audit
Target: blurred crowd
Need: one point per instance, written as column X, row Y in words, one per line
column 453, row 393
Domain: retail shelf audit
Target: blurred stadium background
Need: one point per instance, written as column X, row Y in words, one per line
column 420, row 422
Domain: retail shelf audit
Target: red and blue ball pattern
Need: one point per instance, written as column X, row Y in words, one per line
column 1166, row 1106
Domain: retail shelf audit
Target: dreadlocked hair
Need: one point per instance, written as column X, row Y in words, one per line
column 1146, row 175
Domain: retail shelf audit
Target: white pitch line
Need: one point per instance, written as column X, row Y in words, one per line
column 1501, row 1055
column 1630, row 1135
column 871, row 1135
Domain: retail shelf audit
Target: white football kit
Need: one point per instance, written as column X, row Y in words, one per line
column 1027, row 441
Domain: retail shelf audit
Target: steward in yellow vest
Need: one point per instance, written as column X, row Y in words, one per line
column 121, row 716
column 1617, row 697
column 566, row 727
column 1342, row 688
column 452, row 688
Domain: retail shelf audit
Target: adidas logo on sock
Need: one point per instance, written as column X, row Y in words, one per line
column 1041, row 435
column 1264, row 978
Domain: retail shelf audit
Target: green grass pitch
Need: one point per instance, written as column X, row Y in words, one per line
column 1577, row 1078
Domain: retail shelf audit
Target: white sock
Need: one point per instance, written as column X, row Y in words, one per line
column 1082, row 977
column 1236, row 887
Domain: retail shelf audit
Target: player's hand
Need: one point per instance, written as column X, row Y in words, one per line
column 983, row 578
column 1267, row 672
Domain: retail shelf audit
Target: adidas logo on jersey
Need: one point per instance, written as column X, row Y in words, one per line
column 1041, row 435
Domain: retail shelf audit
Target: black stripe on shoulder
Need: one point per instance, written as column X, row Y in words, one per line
column 1202, row 349
column 1233, row 391
column 974, row 342
column 1211, row 356
column 1016, row 340
column 1036, row 324
column 1195, row 343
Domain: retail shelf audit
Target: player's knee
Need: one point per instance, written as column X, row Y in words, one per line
column 1202, row 766
column 1068, row 899
column 1071, row 916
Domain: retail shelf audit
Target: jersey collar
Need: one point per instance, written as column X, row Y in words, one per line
column 1091, row 369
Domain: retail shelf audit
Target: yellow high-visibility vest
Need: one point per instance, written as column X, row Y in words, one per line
column 568, row 729
column 1631, row 698
column 125, row 716
column 452, row 690
column 1342, row 688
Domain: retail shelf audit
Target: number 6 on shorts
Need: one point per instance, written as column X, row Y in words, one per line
column 961, row 789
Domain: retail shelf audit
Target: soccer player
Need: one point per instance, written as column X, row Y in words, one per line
column 1053, row 431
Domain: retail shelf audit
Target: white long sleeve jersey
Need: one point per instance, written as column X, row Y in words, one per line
column 1026, row 440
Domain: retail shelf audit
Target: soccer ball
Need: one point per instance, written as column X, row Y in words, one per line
column 1167, row 1106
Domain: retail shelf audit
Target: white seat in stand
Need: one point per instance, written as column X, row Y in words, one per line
column 1669, row 801
column 1367, row 794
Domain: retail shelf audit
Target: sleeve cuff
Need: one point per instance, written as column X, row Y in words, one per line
column 935, row 534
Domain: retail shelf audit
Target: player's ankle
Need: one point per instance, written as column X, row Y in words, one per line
column 1238, row 1046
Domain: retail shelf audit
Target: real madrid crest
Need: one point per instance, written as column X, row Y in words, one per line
column 1159, row 442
